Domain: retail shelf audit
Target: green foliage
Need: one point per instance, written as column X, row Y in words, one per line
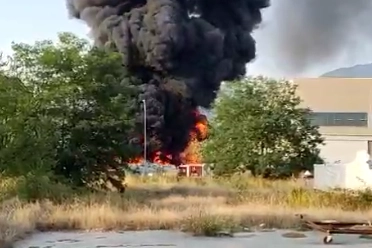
column 66, row 107
column 259, row 126
column 36, row 187
column 26, row 137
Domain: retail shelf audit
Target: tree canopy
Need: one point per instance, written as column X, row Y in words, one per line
column 258, row 125
column 66, row 107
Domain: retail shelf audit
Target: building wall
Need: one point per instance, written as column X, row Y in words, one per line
column 340, row 95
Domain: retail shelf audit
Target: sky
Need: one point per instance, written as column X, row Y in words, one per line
column 268, row 63
column 26, row 21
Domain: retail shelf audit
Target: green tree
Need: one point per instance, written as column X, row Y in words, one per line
column 259, row 126
column 26, row 137
column 88, row 99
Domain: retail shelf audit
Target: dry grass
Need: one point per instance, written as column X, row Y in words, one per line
column 203, row 207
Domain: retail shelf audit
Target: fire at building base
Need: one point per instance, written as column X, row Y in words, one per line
column 191, row 155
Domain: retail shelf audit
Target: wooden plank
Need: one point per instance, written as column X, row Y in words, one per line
column 315, row 227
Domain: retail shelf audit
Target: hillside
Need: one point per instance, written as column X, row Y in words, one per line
column 358, row 71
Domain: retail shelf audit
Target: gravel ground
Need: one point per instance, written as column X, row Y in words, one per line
column 160, row 239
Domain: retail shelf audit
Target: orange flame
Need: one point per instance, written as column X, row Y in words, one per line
column 192, row 154
column 159, row 158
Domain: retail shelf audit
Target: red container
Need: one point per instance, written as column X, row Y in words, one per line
column 191, row 170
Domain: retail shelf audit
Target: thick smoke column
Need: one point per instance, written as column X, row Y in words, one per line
column 305, row 33
column 181, row 50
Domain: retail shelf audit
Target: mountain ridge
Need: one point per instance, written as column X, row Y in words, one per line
column 357, row 71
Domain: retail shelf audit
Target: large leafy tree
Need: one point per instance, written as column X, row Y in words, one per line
column 27, row 139
column 88, row 99
column 259, row 126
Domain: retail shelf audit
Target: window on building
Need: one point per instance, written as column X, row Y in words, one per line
column 350, row 119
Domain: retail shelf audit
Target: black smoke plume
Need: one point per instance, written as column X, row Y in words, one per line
column 180, row 49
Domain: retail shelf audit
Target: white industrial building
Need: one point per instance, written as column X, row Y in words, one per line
column 342, row 107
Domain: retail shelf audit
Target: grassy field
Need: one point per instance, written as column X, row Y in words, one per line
column 199, row 206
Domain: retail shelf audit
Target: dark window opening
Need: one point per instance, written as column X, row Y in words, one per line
column 351, row 119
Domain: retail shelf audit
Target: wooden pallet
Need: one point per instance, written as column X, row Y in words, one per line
column 330, row 227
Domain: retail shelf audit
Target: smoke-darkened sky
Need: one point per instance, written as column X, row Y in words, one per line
column 308, row 37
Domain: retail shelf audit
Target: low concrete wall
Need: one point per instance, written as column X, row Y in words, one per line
column 343, row 148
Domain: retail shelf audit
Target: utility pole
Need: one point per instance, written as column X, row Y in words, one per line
column 144, row 133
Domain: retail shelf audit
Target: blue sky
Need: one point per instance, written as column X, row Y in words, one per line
column 28, row 21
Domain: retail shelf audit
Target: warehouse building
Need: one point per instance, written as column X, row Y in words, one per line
column 342, row 107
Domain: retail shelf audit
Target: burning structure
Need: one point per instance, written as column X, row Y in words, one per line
column 181, row 50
